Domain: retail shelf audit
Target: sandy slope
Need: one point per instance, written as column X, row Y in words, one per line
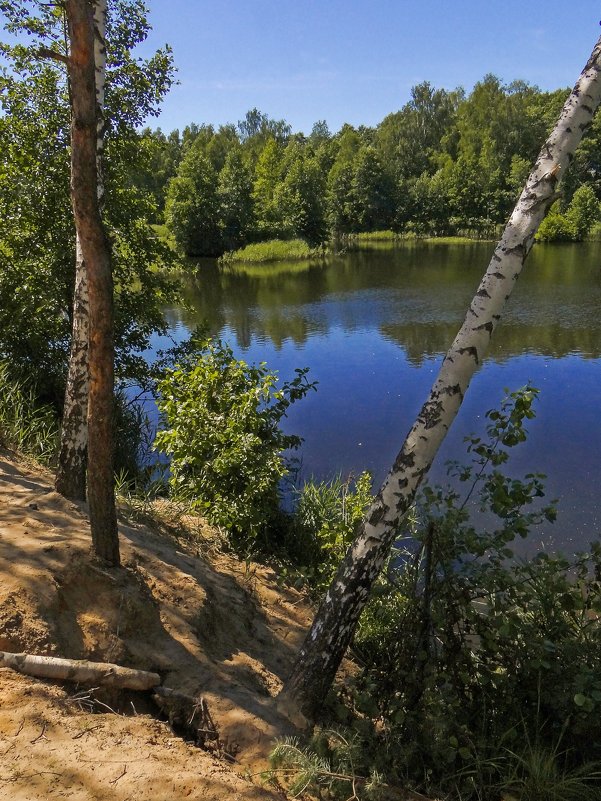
column 205, row 623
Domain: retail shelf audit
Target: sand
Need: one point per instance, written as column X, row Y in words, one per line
column 207, row 623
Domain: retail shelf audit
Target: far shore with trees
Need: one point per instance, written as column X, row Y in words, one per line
column 447, row 164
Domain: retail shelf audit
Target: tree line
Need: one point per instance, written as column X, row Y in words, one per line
column 446, row 163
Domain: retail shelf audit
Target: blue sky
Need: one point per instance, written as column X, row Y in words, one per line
column 355, row 61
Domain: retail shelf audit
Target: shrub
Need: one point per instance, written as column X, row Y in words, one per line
column 583, row 211
column 470, row 652
column 221, row 427
column 557, row 227
column 579, row 218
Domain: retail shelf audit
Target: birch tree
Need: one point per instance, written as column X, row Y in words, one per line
column 71, row 469
column 95, row 257
column 337, row 617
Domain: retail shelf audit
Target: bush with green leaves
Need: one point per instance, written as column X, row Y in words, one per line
column 470, row 653
column 221, row 430
column 579, row 219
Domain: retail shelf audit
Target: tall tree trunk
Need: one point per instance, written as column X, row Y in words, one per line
column 336, row 619
column 71, row 469
column 96, row 257
column 70, row 478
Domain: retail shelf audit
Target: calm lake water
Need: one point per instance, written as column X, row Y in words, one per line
column 373, row 326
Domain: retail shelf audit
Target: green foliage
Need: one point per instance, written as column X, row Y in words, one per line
column 192, row 206
column 373, row 192
column 25, row 426
column 37, row 245
column 377, row 236
column 543, row 773
column 584, row 210
column 556, row 227
column 221, row 428
column 331, row 763
column 340, row 199
column 267, row 177
column 409, row 139
column 299, row 197
column 235, row 202
column 581, row 216
column 471, row 652
column 446, row 163
column 273, row 250
column 324, row 521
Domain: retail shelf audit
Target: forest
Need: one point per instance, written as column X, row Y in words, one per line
column 447, row 163
column 464, row 671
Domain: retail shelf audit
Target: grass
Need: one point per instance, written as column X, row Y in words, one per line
column 378, row 236
column 539, row 775
column 273, row 250
column 390, row 237
column 25, row 426
column 453, row 240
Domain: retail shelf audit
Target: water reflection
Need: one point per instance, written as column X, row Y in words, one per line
column 372, row 326
column 415, row 296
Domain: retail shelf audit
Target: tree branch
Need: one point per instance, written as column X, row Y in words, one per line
column 45, row 52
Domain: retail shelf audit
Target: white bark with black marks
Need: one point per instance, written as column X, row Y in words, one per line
column 98, row 674
column 71, row 469
column 336, row 620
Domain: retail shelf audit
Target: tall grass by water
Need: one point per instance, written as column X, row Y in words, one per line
column 25, row 426
column 273, row 250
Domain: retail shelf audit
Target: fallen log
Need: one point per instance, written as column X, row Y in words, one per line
column 98, row 674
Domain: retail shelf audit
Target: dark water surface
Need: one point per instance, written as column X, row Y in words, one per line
column 373, row 326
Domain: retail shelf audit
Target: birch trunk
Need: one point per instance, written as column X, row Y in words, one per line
column 100, row 674
column 96, row 257
column 334, row 625
column 71, row 469
column 70, row 478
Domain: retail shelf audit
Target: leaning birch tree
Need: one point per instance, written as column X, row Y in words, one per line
column 334, row 625
column 95, row 256
column 71, row 468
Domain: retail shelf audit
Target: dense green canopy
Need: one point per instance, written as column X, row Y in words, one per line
column 446, row 163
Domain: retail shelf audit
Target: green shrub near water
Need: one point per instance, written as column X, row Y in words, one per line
column 580, row 218
column 481, row 671
column 221, row 429
column 273, row 250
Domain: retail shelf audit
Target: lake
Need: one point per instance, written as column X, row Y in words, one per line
column 373, row 326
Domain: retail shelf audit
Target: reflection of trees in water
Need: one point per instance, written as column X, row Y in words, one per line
column 421, row 341
column 253, row 304
column 414, row 295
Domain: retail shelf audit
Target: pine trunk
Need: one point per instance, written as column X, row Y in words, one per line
column 96, row 257
column 334, row 625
